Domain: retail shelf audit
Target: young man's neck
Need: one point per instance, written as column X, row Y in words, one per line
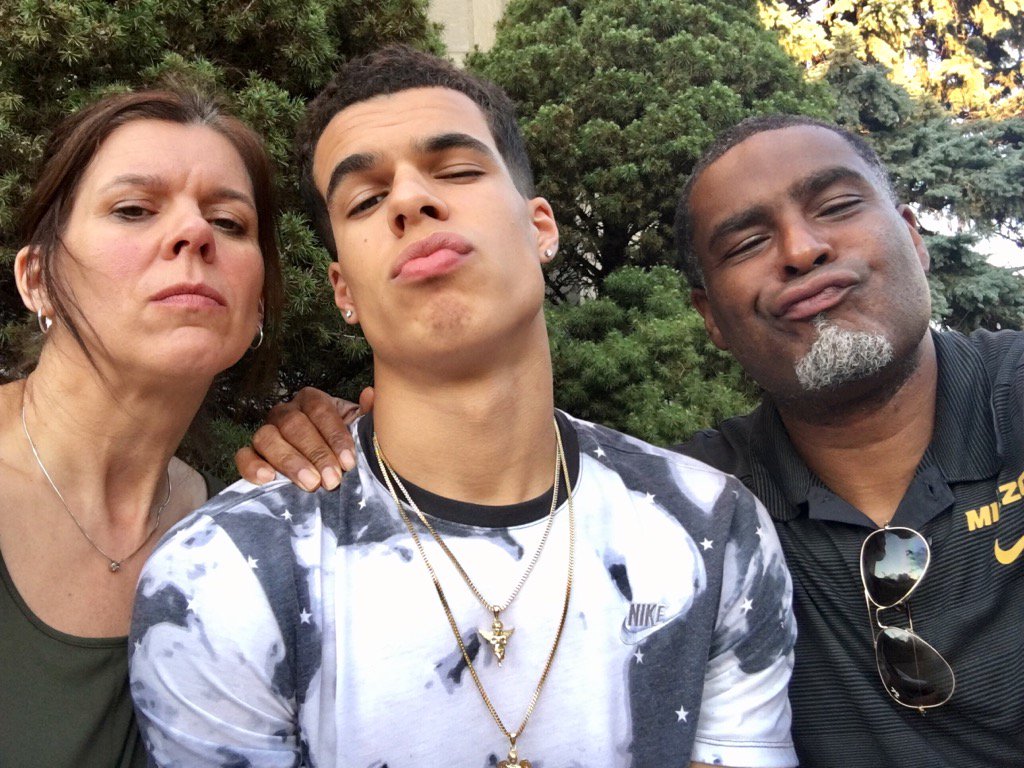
column 868, row 453
column 487, row 440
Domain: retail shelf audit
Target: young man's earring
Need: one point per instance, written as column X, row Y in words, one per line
column 348, row 314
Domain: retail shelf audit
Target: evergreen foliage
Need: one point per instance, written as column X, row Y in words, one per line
column 638, row 359
column 265, row 58
column 968, row 55
column 617, row 98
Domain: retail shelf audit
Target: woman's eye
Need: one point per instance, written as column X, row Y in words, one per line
column 131, row 212
column 228, row 225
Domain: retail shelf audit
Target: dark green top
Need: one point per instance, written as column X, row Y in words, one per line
column 64, row 700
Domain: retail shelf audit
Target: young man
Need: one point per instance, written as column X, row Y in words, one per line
column 496, row 583
column 807, row 269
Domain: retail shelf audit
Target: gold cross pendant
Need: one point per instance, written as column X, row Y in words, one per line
column 498, row 638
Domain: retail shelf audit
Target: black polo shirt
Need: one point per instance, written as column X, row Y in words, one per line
column 967, row 498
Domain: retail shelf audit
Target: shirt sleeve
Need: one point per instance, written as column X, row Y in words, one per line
column 745, row 714
column 207, row 657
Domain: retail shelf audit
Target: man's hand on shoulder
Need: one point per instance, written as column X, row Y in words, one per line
column 306, row 439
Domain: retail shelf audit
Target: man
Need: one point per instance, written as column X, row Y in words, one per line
column 807, row 269
column 528, row 586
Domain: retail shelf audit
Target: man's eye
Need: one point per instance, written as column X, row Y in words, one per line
column 366, row 204
column 745, row 247
column 839, row 205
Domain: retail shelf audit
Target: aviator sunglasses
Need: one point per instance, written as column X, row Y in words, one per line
column 893, row 562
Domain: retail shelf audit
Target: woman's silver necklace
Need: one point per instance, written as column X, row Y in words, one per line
column 115, row 564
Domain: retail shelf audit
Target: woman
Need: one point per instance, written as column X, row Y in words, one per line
column 151, row 264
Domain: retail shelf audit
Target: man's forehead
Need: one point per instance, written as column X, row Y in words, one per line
column 397, row 122
column 770, row 165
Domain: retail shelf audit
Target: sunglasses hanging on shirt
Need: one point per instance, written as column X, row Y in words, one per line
column 893, row 562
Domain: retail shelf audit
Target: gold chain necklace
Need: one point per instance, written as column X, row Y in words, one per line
column 512, row 761
column 115, row 565
column 497, row 635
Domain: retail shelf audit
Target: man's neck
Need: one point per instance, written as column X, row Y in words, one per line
column 484, row 440
column 869, row 452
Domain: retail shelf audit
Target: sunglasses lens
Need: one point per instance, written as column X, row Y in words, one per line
column 913, row 672
column 892, row 562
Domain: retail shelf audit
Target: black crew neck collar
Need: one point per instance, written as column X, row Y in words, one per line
column 481, row 515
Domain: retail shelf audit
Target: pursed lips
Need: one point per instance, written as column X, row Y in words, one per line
column 813, row 296
column 432, row 256
column 191, row 295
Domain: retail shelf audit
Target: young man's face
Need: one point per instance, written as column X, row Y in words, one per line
column 796, row 234
column 437, row 249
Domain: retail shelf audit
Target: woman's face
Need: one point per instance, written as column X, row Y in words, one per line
column 162, row 253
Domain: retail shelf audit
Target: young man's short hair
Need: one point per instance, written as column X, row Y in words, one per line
column 393, row 69
column 687, row 260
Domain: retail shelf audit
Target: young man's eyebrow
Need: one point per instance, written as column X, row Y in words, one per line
column 361, row 161
column 455, row 140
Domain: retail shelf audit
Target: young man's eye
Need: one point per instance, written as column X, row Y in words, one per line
column 744, row 247
column 366, row 204
column 461, row 173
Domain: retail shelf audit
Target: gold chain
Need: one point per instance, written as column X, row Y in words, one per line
column 512, row 736
column 494, row 608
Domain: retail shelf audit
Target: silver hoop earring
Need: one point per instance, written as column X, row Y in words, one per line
column 259, row 339
column 45, row 323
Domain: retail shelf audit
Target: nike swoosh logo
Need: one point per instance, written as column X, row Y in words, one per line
column 1008, row 556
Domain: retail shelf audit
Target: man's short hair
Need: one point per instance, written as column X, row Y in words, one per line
column 751, row 126
column 393, row 69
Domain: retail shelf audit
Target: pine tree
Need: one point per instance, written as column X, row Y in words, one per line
column 617, row 99
column 266, row 58
column 968, row 55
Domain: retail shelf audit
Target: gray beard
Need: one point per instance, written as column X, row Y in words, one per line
column 839, row 356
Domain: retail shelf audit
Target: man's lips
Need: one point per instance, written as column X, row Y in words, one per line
column 193, row 295
column 814, row 296
column 433, row 256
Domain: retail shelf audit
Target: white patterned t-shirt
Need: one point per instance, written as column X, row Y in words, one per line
column 279, row 628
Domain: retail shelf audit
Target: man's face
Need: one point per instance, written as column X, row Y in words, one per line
column 437, row 249
column 797, row 235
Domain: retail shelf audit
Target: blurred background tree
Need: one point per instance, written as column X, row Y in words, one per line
column 617, row 99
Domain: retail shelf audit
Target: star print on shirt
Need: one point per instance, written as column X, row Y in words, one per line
column 305, row 616
column 707, row 544
column 747, row 606
column 639, row 656
column 362, row 503
column 650, row 498
column 599, row 452
column 681, row 714
column 286, row 515
column 252, row 562
column 759, row 532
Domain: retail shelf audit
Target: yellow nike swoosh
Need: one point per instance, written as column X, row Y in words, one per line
column 1007, row 556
